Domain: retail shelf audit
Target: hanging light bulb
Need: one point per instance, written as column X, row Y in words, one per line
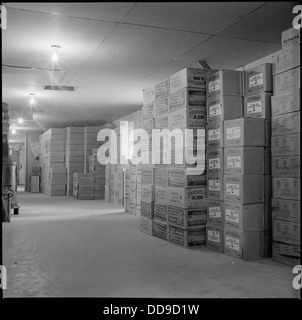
column 55, row 56
column 32, row 100
column 14, row 131
column 20, row 120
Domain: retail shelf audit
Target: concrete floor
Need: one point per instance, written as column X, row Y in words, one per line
column 61, row 247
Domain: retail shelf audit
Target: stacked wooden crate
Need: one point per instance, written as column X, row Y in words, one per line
column 286, row 159
column 74, row 158
column 90, row 143
column 83, row 186
column 99, row 177
column 52, row 161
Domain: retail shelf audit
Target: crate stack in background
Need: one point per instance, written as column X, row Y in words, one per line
column 83, row 186
column 90, row 143
column 52, row 160
column 74, row 155
column 286, row 105
column 99, row 177
column 258, row 83
column 224, row 102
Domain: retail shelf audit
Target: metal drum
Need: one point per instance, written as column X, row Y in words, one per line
column 9, row 177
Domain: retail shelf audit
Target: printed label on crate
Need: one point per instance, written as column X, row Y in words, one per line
column 160, row 212
column 214, row 185
column 214, row 134
column 214, row 212
column 214, row 85
column 254, row 107
column 160, row 230
column 232, row 215
column 256, row 80
column 213, row 235
column 161, row 107
column 232, row 189
column 214, row 163
column 232, row 243
column 233, row 133
column 234, row 162
column 177, row 236
column 215, row 110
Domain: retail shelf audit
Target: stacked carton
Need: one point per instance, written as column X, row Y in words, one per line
column 90, row 143
column 83, row 186
column 99, row 177
column 52, row 160
column 74, row 154
column 286, row 150
column 224, row 102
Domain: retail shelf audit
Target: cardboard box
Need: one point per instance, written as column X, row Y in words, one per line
column 286, row 253
column 185, row 177
column 186, row 218
column 286, row 59
column 161, row 122
column 285, row 103
column 215, row 211
column 215, row 187
column 215, row 135
column 286, row 232
column 161, row 195
column 286, row 166
column 187, row 198
column 244, row 132
column 215, row 160
column 187, row 118
column 160, row 213
column 259, row 79
column 160, row 230
column 288, row 210
column 161, row 107
column 187, row 98
column 288, row 145
column 149, row 95
column 244, row 160
column 147, row 176
column 249, row 217
column 224, row 108
column 247, row 245
column 161, row 177
column 162, row 89
column 288, row 123
column 146, row 225
column 187, row 238
column 214, row 237
column 290, row 38
column 258, row 105
column 244, row 189
column 286, row 188
column 288, row 80
column 188, row 78
column 147, row 112
column 224, row 83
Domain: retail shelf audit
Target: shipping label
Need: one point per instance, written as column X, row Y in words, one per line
column 254, row 107
column 214, row 134
column 232, row 189
column 234, row 162
column 232, row 243
column 256, row 80
column 214, row 163
column 213, row 236
column 215, row 110
column 232, row 215
column 215, row 85
column 214, row 185
column 214, row 212
column 233, row 133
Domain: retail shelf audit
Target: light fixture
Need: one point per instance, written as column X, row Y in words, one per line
column 32, row 100
column 14, row 131
column 55, row 56
column 20, row 120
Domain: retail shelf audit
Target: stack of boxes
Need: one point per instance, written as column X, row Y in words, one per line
column 99, row 177
column 286, row 150
column 90, row 143
column 224, row 102
column 74, row 156
column 52, row 159
column 83, row 186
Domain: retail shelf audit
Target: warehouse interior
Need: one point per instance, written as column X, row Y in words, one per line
column 75, row 227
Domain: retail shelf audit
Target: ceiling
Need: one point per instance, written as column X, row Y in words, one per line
column 112, row 51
